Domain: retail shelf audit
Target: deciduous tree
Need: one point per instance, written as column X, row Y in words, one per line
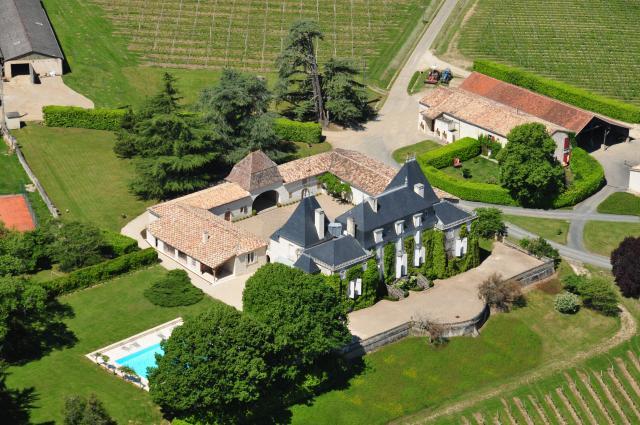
column 76, row 245
column 489, row 223
column 625, row 260
column 86, row 411
column 500, row 294
column 219, row 367
column 528, row 167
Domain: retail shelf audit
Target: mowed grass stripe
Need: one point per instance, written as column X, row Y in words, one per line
column 81, row 174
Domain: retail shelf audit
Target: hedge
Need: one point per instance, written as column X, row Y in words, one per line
column 118, row 244
column 92, row 275
column 468, row 190
column 72, row 116
column 588, row 179
column 296, row 131
column 464, row 149
column 561, row 91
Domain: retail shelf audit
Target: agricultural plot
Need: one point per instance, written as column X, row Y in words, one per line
column 592, row 44
column 249, row 35
column 578, row 396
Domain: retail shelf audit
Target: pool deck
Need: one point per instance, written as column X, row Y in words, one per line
column 131, row 345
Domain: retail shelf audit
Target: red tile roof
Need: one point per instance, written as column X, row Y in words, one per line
column 15, row 213
column 546, row 108
column 255, row 171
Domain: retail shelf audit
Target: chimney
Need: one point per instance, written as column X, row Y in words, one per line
column 419, row 189
column 373, row 203
column 351, row 227
column 335, row 229
column 319, row 221
column 205, row 236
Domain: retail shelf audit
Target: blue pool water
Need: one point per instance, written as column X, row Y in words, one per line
column 142, row 359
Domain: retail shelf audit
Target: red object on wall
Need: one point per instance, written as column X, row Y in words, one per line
column 567, row 143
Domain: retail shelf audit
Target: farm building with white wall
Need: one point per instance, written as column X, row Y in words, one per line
column 28, row 45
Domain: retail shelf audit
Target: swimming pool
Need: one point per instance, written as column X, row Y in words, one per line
column 142, row 359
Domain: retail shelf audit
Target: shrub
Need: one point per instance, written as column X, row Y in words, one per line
column 296, row 131
column 334, row 186
column 540, row 248
column 468, row 190
column 439, row 267
column 567, row 303
column 561, row 91
column 116, row 244
column 500, row 294
column 173, row 290
column 597, row 293
column 73, row 116
column 466, row 173
column 92, row 275
column 588, row 179
column 487, row 144
column 389, row 261
column 464, row 149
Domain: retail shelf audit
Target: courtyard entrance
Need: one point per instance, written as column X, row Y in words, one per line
column 265, row 200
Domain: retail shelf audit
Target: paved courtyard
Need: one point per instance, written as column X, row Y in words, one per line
column 28, row 99
column 449, row 301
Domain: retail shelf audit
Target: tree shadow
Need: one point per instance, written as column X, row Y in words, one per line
column 31, row 338
column 15, row 403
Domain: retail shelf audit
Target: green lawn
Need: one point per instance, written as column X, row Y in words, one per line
column 411, row 375
column 102, row 315
column 482, row 170
column 550, row 229
column 620, row 203
column 13, row 179
column 550, row 38
column 400, row 155
column 602, row 237
column 306, row 149
column 81, row 174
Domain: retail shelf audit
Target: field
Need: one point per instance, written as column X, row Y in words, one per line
column 102, row 315
column 411, row 375
column 482, row 171
column 588, row 43
column 602, row 237
column 81, row 174
column 620, row 203
column 400, row 155
column 249, row 35
column 550, row 229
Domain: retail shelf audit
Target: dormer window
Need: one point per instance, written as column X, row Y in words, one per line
column 377, row 236
column 399, row 227
column 417, row 220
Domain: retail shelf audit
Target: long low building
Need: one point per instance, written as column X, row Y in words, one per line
column 197, row 230
column 484, row 106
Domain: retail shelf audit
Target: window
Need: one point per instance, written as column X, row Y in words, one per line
column 417, row 220
column 182, row 256
column 377, row 235
column 399, row 227
column 251, row 258
column 243, row 210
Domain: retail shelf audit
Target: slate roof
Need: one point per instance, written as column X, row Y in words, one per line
column 255, row 171
column 25, row 29
column 398, row 202
column 300, row 227
column 182, row 227
column 479, row 111
column 449, row 214
column 360, row 171
column 306, row 264
column 543, row 107
column 337, row 253
column 207, row 198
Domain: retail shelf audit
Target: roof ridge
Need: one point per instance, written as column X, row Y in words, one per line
column 337, row 151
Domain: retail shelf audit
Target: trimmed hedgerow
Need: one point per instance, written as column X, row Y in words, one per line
column 588, row 179
column 296, row 131
column 468, row 190
column 92, row 275
column 117, row 244
column 561, row 91
column 73, row 116
column 464, row 149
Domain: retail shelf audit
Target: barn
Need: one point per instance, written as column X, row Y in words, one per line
column 28, row 45
column 591, row 130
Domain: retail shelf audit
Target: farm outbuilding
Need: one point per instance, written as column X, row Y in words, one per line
column 28, row 45
column 591, row 130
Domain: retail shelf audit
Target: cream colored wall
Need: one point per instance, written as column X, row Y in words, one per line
column 41, row 66
column 634, row 181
